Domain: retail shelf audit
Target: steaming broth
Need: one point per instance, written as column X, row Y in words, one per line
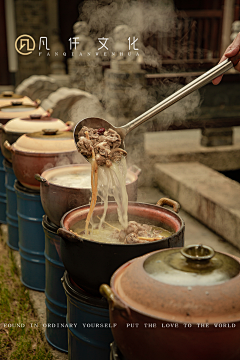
column 78, row 180
column 106, row 233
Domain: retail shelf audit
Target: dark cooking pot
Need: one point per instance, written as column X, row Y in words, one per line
column 33, row 153
column 59, row 199
column 177, row 304
column 90, row 262
column 15, row 128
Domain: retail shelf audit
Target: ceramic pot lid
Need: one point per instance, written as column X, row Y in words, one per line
column 193, row 284
column 192, row 266
column 10, row 95
column 19, row 109
column 17, row 106
column 34, row 122
column 46, row 141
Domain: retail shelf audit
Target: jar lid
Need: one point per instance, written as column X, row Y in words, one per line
column 194, row 265
column 17, row 106
column 193, row 284
column 34, row 122
column 10, row 94
column 46, row 141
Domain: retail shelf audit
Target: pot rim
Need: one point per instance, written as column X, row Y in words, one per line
column 169, row 317
column 42, row 154
column 45, row 172
column 79, row 294
column 86, row 165
column 177, row 233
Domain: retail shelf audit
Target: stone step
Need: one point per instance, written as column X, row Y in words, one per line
column 207, row 195
column 184, row 145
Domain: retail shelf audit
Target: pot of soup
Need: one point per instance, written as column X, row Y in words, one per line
column 92, row 259
column 66, row 187
column 177, row 304
column 33, row 153
column 19, row 108
column 15, row 128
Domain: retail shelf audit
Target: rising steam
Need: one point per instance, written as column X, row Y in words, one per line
column 145, row 19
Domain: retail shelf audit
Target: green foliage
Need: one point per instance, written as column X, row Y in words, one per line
column 20, row 340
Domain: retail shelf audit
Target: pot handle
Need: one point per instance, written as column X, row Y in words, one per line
column 114, row 303
column 174, row 204
column 135, row 169
column 8, row 146
column 70, row 125
column 68, row 235
column 37, row 103
column 41, row 179
column 49, row 112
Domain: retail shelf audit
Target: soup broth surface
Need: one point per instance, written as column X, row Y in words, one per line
column 78, row 180
column 107, row 234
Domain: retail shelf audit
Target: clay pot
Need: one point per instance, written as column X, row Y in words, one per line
column 177, row 304
column 15, row 128
column 35, row 152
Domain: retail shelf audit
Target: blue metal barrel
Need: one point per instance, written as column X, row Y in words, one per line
column 31, row 237
column 3, row 198
column 89, row 332
column 12, row 218
column 56, row 301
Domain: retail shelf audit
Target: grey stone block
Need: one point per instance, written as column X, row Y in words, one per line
column 207, row 195
column 217, row 137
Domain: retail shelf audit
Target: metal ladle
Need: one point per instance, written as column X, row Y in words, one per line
column 202, row 80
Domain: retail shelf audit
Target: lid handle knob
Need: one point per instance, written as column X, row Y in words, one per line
column 7, row 93
column 16, row 103
column 198, row 252
column 35, row 116
column 50, row 131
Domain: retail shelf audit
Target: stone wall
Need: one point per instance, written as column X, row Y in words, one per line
column 31, row 19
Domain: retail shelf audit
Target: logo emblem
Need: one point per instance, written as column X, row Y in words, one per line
column 25, row 43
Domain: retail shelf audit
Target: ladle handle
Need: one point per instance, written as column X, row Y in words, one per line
column 184, row 91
